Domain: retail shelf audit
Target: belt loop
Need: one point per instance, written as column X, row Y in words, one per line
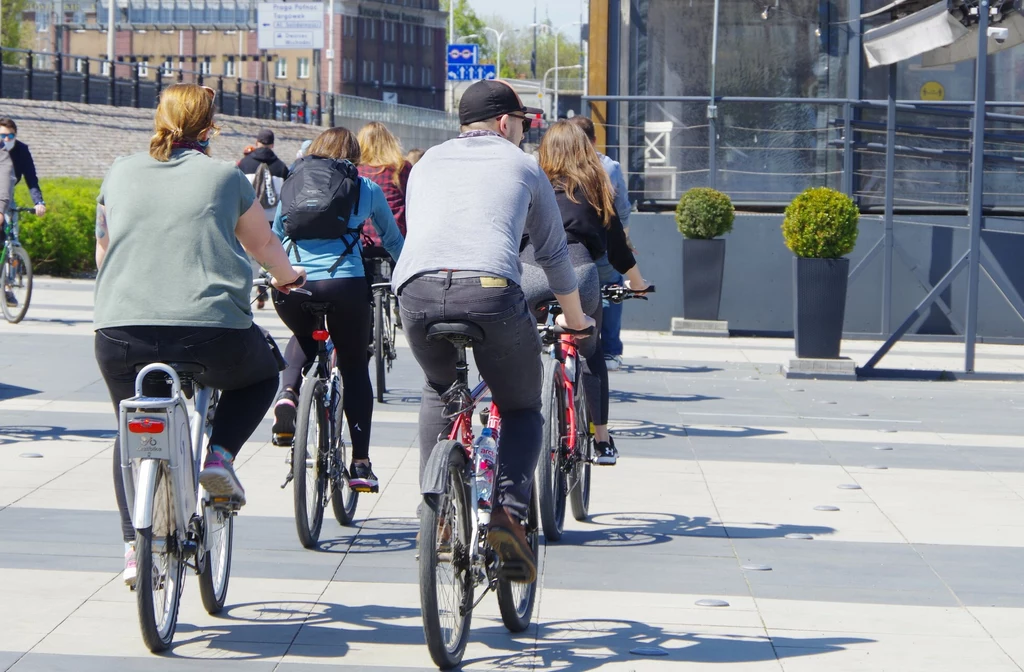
column 448, row 280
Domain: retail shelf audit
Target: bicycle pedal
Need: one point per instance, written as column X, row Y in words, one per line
column 282, row 440
column 514, row 571
column 365, row 489
column 226, row 503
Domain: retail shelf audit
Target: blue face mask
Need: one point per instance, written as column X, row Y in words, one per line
column 203, row 143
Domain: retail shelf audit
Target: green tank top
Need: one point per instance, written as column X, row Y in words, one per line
column 173, row 258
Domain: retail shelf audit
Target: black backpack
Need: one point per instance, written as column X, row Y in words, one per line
column 318, row 198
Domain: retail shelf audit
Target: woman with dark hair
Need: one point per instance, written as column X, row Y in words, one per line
column 328, row 244
column 592, row 229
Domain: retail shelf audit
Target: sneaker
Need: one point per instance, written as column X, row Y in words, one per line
column 507, row 537
column 284, row 420
column 9, row 296
column 131, row 566
column 606, row 453
column 613, row 363
column 361, row 477
column 219, row 479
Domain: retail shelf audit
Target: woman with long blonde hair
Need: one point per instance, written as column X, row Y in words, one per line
column 174, row 284
column 592, row 229
column 384, row 163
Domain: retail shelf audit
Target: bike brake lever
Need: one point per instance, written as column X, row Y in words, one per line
column 300, row 290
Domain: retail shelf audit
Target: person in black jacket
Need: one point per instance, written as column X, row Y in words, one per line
column 264, row 153
column 22, row 162
column 592, row 228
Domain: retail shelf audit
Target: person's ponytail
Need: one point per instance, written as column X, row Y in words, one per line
column 185, row 111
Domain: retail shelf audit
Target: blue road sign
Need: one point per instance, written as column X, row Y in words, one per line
column 463, row 54
column 471, row 73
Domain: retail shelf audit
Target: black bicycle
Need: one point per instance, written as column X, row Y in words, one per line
column 15, row 270
column 385, row 325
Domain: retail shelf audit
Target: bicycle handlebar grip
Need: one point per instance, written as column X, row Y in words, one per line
column 589, row 331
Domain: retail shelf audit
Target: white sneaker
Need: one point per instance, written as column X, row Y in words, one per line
column 131, row 567
column 613, row 363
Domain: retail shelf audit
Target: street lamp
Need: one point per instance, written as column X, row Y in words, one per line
column 544, row 81
column 558, row 33
column 498, row 36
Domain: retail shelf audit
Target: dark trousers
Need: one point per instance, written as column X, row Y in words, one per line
column 350, row 328
column 508, row 359
column 239, row 362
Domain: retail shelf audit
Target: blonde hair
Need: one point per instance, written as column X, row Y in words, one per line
column 336, row 143
column 381, row 149
column 414, row 155
column 571, row 163
column 184, row 112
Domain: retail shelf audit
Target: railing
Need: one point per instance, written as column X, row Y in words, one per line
column 46, row 75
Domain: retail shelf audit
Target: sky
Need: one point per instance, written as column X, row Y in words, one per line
column 561, row 12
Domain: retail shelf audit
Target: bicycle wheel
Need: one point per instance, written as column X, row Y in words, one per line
column 343, row 498
column 308, row 453
column 579, row 463
column 160, row 568
column 515, row 600
column 380, row 355
column 550, row 469
column 391, row 328
column 445, row 558
column 16, row 276
column 219, row 533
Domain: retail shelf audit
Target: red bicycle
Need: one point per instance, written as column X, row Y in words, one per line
column 568, row 440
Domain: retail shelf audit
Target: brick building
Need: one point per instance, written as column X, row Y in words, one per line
column 387, row 50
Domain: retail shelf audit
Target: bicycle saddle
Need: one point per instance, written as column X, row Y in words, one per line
column 318, row 308
column 457, row 331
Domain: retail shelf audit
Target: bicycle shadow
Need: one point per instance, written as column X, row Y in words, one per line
column 641, row 368
column 624, row 397
column 375, row 535
column 644, row 429
column 29, row 433
column 628, row 529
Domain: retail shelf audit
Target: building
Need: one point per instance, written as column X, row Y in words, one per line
column 391, row 51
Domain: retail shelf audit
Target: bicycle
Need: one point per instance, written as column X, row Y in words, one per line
column 385, row 313
column 15, row 269
column 318, row 463
column 457, row 488
column 568, row 439
column 177, row 524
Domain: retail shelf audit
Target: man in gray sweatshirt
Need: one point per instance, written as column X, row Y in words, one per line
column 468, row 203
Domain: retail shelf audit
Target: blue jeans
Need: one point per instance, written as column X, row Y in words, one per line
column 612, row 312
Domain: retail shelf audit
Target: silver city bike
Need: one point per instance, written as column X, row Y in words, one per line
column 177, row 524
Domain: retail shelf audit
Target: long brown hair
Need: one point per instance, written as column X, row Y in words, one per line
column 381, row 149
column 336, row 143
column 185, row 111
column 571, row 163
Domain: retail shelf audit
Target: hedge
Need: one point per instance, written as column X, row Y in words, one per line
column 63, row 241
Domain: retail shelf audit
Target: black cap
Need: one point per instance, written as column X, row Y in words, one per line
column 490, row 98
column 265, row 137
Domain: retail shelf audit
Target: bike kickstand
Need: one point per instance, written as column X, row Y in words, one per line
column 288, row 479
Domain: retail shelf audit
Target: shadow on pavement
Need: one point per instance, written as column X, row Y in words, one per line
column 641, row 368
column 15, row 391
column 376, row 535
column 645, row 529
column 16, row 433
column 623, row 397
column 642, row 429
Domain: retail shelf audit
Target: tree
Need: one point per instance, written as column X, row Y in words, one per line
column 517, row 50
column 11, row 28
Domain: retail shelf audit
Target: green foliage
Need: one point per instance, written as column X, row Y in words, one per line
column 821, row 223
column 704, row 214
column 468, row 23
column 63, row 241
column 12, row 29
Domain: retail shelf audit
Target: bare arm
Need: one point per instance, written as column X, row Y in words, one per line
column 259, row 241
column 572, row 311
column 102, row 235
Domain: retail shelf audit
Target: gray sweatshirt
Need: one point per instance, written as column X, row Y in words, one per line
column 468, row 202
column 6, row 182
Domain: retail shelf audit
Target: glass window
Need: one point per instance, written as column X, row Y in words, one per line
column 167, row 68
column 229, row 68
column 281, row 68
column 303, row 67
column 144, row 69
column 204, row 66
column 80, row 65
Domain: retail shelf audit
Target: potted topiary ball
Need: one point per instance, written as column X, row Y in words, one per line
column 820, row 228
column 702, row 215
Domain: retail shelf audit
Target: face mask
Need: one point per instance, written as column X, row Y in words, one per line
column 8, row 144
column 203, row 143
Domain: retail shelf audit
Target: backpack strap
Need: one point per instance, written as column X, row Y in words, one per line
column 357, row 231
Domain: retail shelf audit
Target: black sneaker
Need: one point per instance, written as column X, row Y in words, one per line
column 9, row 297
column 284, row 420
column 606, row 453
column 361, row 477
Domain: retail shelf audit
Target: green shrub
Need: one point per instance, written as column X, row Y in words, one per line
column 821, row 223
column 63, row 241
column 704, row 213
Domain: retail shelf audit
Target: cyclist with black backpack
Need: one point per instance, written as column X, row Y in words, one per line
column 267, row 173
column 323, row 206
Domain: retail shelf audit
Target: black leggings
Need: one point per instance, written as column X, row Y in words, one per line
column 349, row 325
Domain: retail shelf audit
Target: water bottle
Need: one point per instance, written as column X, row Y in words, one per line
column 486, row 451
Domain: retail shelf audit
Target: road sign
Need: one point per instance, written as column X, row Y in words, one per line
column 291, row 25
column 463, row 54
column 471, row 73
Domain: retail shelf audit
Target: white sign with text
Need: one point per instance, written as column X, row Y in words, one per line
column 291, row 25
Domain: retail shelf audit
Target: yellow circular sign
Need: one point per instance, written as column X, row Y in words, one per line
column 933, row 91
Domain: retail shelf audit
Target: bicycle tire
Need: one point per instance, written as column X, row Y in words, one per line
column 391, row 330
column 516, row 600
column 343, row 498
column 219, row 532
column 17, row 272
column 308, row 472
column 455, row 555
column 550, row 472
column 578, row 473
column 159, row 584
column 380, row 356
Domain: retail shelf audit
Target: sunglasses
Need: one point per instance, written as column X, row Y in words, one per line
column 527, row 122
column 7, row 136
column 210, row 92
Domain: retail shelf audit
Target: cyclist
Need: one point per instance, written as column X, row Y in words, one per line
column 267, row 173
column 322, row 235
column 263, row 153
column 162, row 215
column 611, row 318
column 469, row 202
column 382, row 162
column 23, row 163
column 593, row 230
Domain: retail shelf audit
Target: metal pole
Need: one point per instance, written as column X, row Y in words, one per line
column 853, row 92
column 59, row 77
column 451, row 39
column 554, row 113
column 713, row 107
column 29, row 69
column 111, row 30
column 330, row 48
column 890, row 197
column 112, row 88
column 977, row 186
column 85, row 81
column 317, row 67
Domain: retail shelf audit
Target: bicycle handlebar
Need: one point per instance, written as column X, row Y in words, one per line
column 618, row 293
column 21, row 209
column 264, row 281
